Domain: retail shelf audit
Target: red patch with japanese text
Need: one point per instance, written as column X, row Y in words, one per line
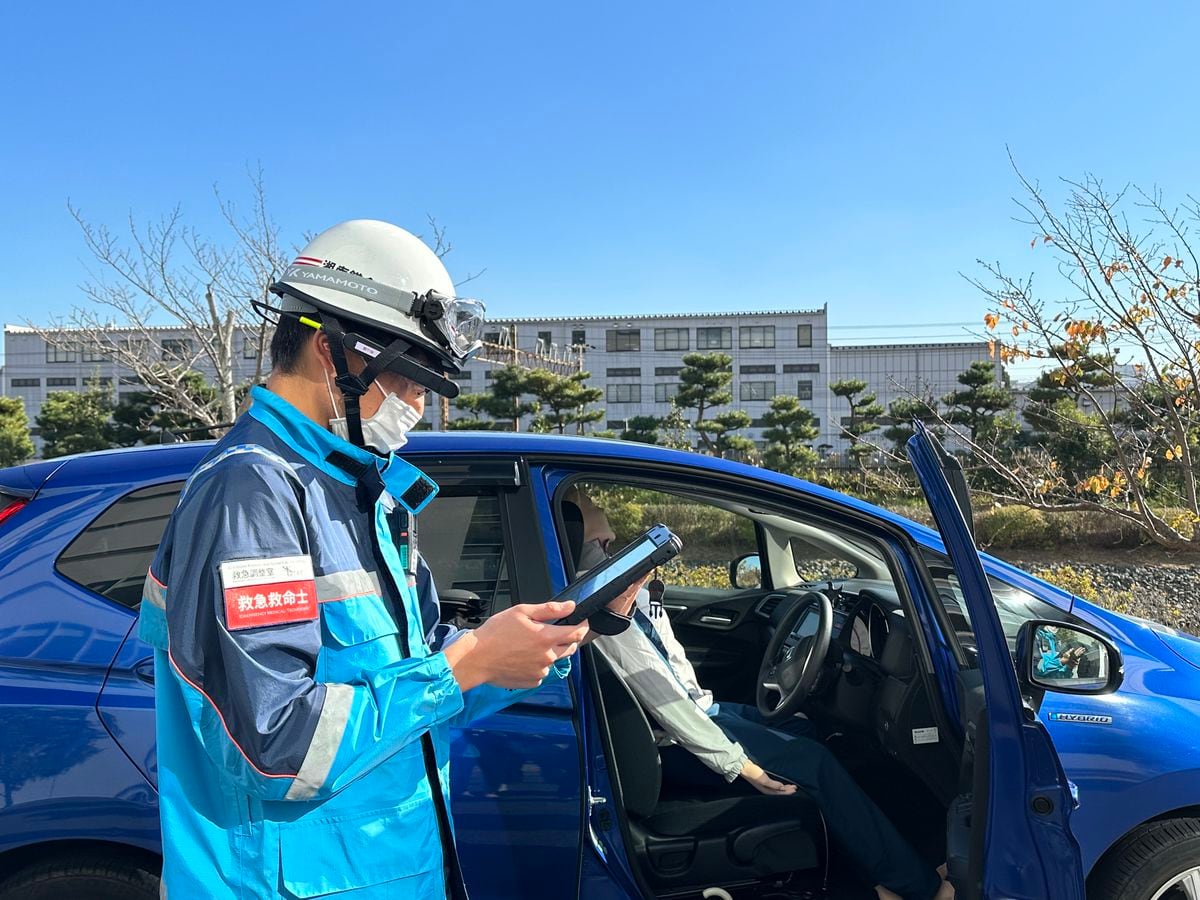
column 261, row 592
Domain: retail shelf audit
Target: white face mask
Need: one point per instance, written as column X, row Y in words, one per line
column 591, row 555
column 387, row 430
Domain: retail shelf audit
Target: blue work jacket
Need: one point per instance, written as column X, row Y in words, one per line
column 302, row 716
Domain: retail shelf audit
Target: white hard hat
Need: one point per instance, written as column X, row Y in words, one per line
column 379, row 275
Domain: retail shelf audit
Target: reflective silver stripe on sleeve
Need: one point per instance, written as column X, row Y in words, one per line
column 325, row 742
column 351, row 583
column 154, row 592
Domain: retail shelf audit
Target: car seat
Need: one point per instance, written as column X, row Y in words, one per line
column 702, row 837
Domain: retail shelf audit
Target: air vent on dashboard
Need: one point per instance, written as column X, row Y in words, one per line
column 769, row 605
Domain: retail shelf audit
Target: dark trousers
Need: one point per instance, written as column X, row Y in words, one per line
column 856, row 823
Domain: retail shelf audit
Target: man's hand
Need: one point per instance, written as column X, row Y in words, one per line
column 764, row 783
column 623, row 605
column 516, row 647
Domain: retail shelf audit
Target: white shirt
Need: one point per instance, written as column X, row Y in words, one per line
column 671, row 695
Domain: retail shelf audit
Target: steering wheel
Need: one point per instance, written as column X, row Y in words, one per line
column 790, row 667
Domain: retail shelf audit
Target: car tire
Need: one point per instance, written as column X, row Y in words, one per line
column 93, row 876
column 1147, row 861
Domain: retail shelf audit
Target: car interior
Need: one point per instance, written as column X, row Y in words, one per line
column 755, row 583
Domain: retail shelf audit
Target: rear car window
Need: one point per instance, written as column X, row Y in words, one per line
column 112, row 555
column 463, row 540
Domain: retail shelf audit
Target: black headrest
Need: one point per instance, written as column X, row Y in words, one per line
column 573, row 523
column 898, row 659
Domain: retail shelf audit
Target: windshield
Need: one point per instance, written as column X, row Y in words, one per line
column 1014, row 605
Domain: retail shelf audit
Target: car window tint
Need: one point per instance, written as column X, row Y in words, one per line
column 462, row 539
column 112, row 555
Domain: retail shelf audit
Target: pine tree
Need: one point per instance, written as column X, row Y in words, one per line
column 704, row 384
column 642, row 430
column 564, row 400
column 76, row 422
column 16, row 445
column 789, row 433
column 864, row 413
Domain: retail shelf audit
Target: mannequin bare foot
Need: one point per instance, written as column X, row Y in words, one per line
column 945, row 892
column 944, row 870
column 885, row 894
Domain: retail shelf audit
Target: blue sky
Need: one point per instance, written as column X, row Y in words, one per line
column 624, row 157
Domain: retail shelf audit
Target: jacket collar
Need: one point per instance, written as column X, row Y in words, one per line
column 314, row 444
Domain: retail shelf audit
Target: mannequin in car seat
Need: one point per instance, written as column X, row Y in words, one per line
column 701, row 739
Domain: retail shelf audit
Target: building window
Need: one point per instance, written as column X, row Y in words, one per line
column 25, row 382
column 139, row 347
column 804, row 390
column 624, row 340
column 491, row 337
column 758, row 423
column 714, row 338
column 616, row 424
column 461, row 376
column 60, row 382
column 665, row 391
column 808, row 368
column 632, row 372
column 816, row 422
column 250, row 347
column 803, row 335
column 670, row 339
column 544, row 340
column 489, row 375
column 92, row 352
column 624, row 393
column 757, row 390
column 578, row 337
column 177, row 349
column 60, row 353
column 130, row 379
column 756, row 337
column 756, row 370
column 668, row 370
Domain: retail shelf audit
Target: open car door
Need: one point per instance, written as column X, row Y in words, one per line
column 1008, row 831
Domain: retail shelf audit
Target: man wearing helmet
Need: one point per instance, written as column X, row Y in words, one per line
column 304, row 687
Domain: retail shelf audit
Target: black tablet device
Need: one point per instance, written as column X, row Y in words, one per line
column 599, row 586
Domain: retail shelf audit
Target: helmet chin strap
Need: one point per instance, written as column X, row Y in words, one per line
column 352, row 386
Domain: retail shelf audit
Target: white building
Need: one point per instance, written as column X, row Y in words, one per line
column 635, row 360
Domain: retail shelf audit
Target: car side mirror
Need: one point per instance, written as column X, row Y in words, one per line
column 1066, row 659
column 745, row 572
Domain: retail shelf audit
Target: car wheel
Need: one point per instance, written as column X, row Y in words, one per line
column 1159, row 861
column 93, row 876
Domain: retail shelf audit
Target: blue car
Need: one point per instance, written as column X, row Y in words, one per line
column 897, row 640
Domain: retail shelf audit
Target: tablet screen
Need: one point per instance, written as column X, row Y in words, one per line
column 589, row 583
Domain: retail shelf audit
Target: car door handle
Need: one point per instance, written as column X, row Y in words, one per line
column 715, row 619
column 144, row 669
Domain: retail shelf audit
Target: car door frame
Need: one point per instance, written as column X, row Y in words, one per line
column 609, row 834
column 1029, row 799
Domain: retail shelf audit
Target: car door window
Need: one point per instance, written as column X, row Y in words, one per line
column 712, row 537
column 112, row 555
column 463, row 540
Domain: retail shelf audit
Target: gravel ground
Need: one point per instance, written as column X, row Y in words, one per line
column 1165, row 592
